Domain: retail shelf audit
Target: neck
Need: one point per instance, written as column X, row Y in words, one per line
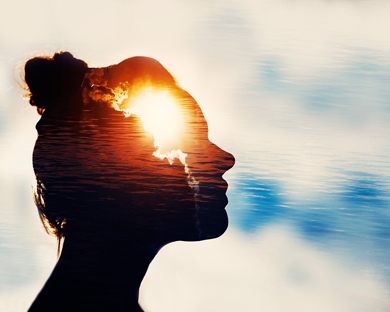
column 97, row 274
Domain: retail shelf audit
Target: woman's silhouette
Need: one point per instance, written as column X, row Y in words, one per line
column 123, row 167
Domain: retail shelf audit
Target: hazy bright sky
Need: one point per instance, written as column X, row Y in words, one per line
column 298, row 91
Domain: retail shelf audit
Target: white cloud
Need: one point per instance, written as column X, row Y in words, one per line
column 273, row 271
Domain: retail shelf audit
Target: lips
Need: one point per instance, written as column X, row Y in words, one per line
column 212, row 200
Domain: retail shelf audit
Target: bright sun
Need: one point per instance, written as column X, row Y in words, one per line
column 160, row 115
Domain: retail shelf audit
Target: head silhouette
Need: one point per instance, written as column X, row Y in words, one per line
column 123, row 166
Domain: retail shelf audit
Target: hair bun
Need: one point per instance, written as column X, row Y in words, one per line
column 51, row 79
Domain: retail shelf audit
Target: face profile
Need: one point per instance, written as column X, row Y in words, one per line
column 124, row 166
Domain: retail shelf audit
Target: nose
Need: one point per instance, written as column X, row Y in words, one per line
column 224, row 160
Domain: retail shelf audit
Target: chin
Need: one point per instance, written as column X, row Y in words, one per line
column 212, row 225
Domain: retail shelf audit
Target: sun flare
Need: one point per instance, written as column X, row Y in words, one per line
column 160, row 116
column 159, row 112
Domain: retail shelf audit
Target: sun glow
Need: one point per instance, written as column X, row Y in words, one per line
column 160, row 115
column 159, row 112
